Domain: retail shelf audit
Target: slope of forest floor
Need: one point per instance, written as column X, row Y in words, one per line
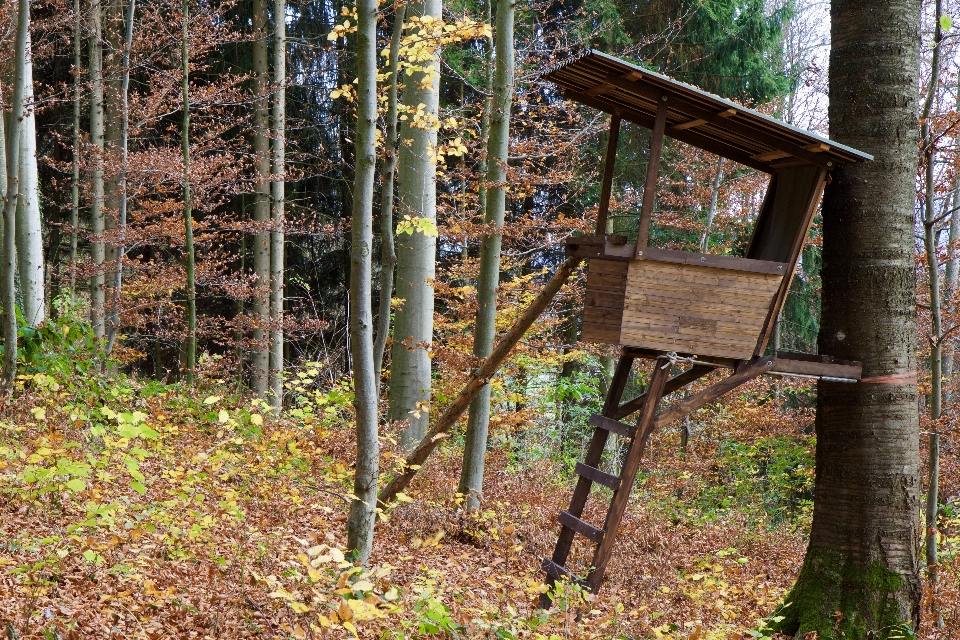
column 134, row 509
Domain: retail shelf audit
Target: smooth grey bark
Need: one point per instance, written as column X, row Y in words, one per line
column 112, row 21
column 29, row 236
column 260, row 358
column 360, row 522
column 862, row 556
column 113, row 325
column 277, row 202
column 8, row 293
column 931, row 227
column 75, row 186
column 97, row 223
column 712, row 211
column 416, row 253
column 190, row 258
column 488, row 280
column 388, row 250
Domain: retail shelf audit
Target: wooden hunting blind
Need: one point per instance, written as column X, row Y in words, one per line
column 681, row 308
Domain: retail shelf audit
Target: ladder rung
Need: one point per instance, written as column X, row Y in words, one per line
column 611, row 425
column 557, row 572
column 583, row 528
column 600, row 477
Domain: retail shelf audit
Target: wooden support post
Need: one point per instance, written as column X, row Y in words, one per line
column 696, row 372
column 745, row 373
column 481, row 376
column 653, row 172
column 595, row 452
column 609, row 164
column 645, row 425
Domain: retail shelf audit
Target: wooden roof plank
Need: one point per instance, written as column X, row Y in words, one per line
column 737, row 129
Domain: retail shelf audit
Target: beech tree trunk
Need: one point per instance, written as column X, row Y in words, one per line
column 416, row 254
column 190, row 346
column 112, row 20
column 388, row 250
column 75, row 186
column 260, row 360
column 29, row 237
column 113, row 326
column 498, row 146
column 8, row 293
column 362, row 516
column 97, row 251
column 277, row 205
column 860, row 571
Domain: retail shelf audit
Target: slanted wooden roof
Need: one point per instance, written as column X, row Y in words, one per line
column 694, row 116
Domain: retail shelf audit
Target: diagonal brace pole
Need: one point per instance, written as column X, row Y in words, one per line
column 480, row 378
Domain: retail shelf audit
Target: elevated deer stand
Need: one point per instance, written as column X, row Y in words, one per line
column 678, row 307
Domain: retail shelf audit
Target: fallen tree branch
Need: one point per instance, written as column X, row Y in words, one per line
column 478, row 379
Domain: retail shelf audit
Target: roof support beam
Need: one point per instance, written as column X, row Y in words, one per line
column 609, row 163
column 688, row 136
column 692, row 110
column 653, row 172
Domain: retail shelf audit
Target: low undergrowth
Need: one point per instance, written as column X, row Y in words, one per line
column 134, row 509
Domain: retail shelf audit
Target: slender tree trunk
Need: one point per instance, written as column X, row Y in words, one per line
column 112, row 77
column 950, row 284
column 190, row 347
column 97, row 251
column 388, row 256
column 860, row 571
column 29, row 237
column 260, row 359
column 498, row 147
column 931, row 229
column 114, row 325
column 8, row 294
column 416, row 253
column 75, row 186
column 712, row 211
column 276, row 213
column 362, row 516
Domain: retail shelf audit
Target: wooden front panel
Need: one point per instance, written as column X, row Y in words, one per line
column 603, row 302
column 696, row 310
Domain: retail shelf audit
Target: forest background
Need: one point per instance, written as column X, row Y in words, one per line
column 178, row 454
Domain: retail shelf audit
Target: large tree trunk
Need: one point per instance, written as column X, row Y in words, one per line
column 363, row 507
column 8, row 293
column 388, row 250
column 28, row 234
column 416, row 253
column 277, row 204
column 94, row 24
column 260, row 360
column 860, row 570
column 475, row 448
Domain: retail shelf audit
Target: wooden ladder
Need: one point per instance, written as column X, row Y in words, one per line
column 589, row 473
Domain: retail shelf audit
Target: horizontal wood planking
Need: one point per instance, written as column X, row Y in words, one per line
column 695, row 309
column 603, row 302
column 719, row 262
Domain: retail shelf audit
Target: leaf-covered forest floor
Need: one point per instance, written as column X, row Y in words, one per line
column 133, row 509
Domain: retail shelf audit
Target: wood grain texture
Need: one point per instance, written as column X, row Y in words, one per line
column 695, row 309
column 604, row 301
